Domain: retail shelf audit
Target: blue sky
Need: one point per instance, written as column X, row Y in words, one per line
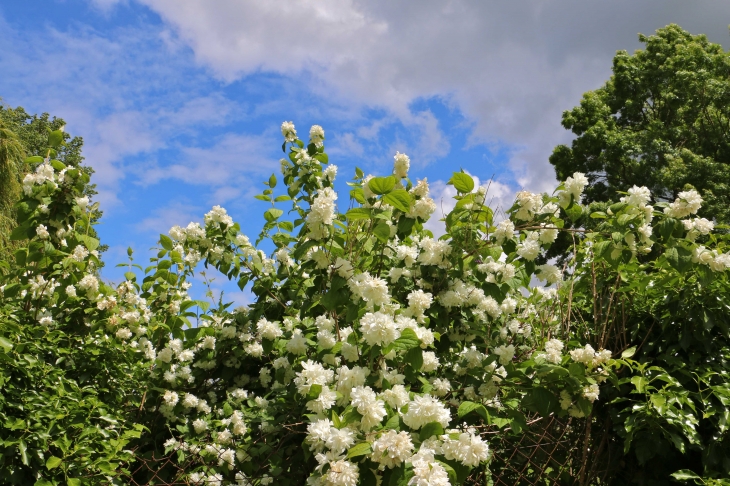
column 180, row 101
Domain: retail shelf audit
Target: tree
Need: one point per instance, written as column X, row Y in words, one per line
column 23, row 135
column 662, row 120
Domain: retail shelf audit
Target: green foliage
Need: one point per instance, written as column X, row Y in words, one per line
column 660, row 121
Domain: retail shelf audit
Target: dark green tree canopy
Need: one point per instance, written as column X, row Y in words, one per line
column 662, row 121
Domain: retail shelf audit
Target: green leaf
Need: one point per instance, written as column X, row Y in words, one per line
column 431, row 429
column 355, row 214
column 23, row 449
column 361, row 449
column 36, row 159
column 399, row 199
column 574, row 211
column 598, row 215
column 5, row 344
column 314, row 391
column 92, row 243
column 272, row 181
column 462, row 181
column 382, row 185
column 684, row 475
column 468, row 407
column 55, row 139
column 541, row 400
column 382, row 232
column 53, row 462
column 414, row 357
column 629, row 352
column 73, row 482
column 407, row 340
column 166, row 242
column 273, row 214
column 282, row 198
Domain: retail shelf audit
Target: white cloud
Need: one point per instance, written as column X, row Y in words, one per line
column 510, row 67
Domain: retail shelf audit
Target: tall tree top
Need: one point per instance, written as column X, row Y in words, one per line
column 661, row 121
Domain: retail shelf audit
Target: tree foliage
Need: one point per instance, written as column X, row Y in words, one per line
column 662, row 120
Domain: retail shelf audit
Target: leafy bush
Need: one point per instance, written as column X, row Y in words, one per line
column 373, row 353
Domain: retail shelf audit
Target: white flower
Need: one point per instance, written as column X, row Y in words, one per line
column 549, row 273
column 529, row 248
column 372, row 290
column 688, row 202
column 324, row 401
column 82, row 202
column 430, row 362
column 319, row 433
column 289, row 132
column 200, row 425
column 505, row 353
column 342, row 473
column 441, row 386
column 343, row 267
column 378, row 328
column 505, row 231
column 170, row 398
column 269, row 330
column 401, row 166
column 396, row 397
column 591, row 392
column 312, row 373
column 316, row 134
column 297, row 344
column 71, row 291
column 392, row 448
column 42, row 232
column 372, row 410
column 321, row 213
column 424, row 409
column 468, row 449
column 418, row 302
column 330, row 172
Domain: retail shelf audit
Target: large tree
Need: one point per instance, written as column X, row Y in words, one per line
column 23, row 135
column 662, row 120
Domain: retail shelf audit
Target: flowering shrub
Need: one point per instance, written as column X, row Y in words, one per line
column 374, row 353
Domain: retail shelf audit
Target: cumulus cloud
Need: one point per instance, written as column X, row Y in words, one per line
column 510, row 67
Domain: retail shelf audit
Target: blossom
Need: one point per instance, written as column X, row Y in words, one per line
column 321, row 213
column 269, row 330
column 591, row 392
column 418, row 302
column 401, row 166
column 373, row 290
column 42, row 232
column 468, row 449
column 378, row 328
column 688, row 202
column 430, row 362
column 343, row 267
column 316, row 134
column 288, row 131
column 200, row 425
column 549, row 273
column 424, row 409
column 372, row 410
column 342, row 473
column 312, row 373
column 330, row 172
column 82, row 202
column 297, row 344
column 324, row 401
column 392, row 448
column 505, row 353
column 529, row 248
